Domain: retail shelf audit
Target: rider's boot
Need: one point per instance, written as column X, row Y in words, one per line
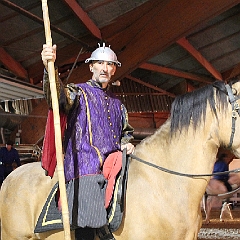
column 104, row 233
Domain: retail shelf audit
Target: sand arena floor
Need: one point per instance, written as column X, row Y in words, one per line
column 229, row 229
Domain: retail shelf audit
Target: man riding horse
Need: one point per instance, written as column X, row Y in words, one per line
column 96, row 126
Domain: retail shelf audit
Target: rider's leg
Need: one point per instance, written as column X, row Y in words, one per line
column 84, row 234
column 104, row 233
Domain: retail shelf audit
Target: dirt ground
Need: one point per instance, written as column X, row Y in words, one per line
column 229, row 229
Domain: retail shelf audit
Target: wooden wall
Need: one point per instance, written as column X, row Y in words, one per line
column 33, row 127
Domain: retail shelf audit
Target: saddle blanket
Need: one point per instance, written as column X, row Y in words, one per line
column 51, row 217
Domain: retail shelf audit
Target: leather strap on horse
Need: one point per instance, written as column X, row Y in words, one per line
column 124, row 173
column 235, row 107
column 182, row 174
column 235, row 110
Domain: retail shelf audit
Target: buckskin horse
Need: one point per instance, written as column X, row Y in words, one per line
column 167, row 177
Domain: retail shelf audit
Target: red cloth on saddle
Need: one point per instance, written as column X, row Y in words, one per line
column 111, row 168
column 49, row 160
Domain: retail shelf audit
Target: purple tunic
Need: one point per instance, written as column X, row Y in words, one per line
column 93, row 131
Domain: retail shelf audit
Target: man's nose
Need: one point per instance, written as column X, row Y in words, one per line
column 105, row 66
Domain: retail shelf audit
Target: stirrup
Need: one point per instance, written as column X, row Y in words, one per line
column 104, row 233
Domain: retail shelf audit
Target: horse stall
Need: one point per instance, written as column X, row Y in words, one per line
column 228, row 227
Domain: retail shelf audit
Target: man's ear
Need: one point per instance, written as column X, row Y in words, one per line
column 113, row 72
column 91, row 67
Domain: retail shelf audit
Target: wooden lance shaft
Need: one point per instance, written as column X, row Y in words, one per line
column 57, row 127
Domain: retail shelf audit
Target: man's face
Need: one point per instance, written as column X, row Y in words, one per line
column 102, row 71
column 9, row 147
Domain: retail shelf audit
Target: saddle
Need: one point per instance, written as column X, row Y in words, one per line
column 115, row 171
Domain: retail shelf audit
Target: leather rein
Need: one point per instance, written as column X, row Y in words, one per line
column 235, row 111
column 179, row 173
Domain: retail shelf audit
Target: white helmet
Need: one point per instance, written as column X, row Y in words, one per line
column 103, row 53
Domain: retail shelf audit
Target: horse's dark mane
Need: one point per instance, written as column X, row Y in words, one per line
column 192, row 106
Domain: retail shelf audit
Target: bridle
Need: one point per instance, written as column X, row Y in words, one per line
column 235, row 110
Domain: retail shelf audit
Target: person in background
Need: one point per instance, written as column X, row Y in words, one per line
column 9, row 156
column 97, row 125
column 222, row 165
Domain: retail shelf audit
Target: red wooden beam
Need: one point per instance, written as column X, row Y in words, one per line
column 12, row 64
column 173, row 72
column 82, row 15
column 183, row 42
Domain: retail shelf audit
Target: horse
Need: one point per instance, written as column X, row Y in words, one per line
column 216, row 192
column 168, row 173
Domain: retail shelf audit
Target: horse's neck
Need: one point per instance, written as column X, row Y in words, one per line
column 188, row 150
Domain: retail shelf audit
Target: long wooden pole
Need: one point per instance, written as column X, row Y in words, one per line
column 57, row 127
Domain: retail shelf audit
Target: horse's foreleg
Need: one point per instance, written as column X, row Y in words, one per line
column 204, row 203
column 208, row 207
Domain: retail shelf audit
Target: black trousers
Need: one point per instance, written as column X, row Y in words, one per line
column 227, row 185
column 84, row 234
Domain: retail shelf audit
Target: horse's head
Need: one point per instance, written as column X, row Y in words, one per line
column 230, row 127
column 212, row 112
